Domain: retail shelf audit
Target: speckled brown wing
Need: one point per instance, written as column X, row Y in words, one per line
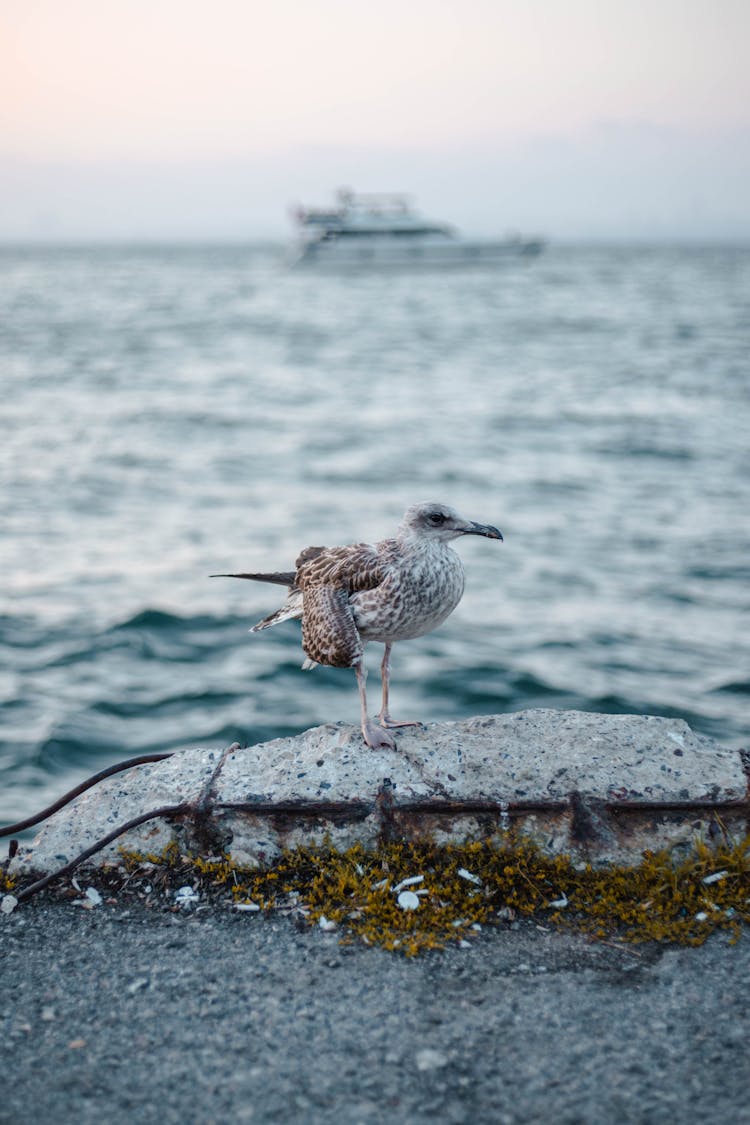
column 329, row 635
column 327, row 577
column 360, row 566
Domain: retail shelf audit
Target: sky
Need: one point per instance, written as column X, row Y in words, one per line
column 161, row 119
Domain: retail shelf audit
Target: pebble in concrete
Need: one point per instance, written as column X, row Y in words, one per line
column 600, row 787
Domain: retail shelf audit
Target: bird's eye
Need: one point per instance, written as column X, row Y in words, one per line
column 437, row 518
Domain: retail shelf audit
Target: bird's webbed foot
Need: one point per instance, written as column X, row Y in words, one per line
column 387, row 722
column 376, row 737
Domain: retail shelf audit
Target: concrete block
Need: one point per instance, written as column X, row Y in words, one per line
column 600, row 787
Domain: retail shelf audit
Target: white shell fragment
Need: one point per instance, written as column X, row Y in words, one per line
column 410, row 882
column 559, row 903
column 701, row 916
column 91, row 898
column 326, row 924
column 8, row 904
column 467, row 875
column 407, row 900
column 185, row 895
column 246, row 906
column 715, row 878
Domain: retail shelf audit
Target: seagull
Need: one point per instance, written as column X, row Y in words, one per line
column 388, row 591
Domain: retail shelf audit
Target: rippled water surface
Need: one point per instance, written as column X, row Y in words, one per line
column 167, row 413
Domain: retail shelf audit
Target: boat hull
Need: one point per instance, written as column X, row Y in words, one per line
column 386, row 253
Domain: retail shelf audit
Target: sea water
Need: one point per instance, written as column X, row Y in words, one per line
column 170, row 412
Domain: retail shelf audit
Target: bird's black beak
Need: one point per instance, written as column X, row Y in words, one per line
column 485, row 529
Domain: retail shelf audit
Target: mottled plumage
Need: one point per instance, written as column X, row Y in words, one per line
column 389, row 591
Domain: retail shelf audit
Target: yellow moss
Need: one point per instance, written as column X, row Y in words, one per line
column 659, row 900
column 169, row 857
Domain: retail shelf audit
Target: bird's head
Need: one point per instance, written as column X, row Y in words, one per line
column 441, row 522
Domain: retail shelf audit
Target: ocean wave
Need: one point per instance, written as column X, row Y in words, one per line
column 178, row 703
column 161, row 620
column 734, row 687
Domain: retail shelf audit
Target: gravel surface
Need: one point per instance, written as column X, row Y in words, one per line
column 124, row 1015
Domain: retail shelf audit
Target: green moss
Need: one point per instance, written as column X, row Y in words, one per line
column 659, row 900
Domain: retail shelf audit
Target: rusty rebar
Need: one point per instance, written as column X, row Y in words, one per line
column 166, row 811
column 60, row 803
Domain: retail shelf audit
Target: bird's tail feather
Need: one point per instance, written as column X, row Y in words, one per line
column 278, row 577
column 291, row 610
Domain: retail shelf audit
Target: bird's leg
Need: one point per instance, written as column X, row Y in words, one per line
column 374, row 735
column 384, row 718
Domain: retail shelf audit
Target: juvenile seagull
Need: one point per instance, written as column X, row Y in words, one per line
column 388, row 591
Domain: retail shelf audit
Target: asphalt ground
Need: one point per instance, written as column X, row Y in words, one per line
column 128, row 1014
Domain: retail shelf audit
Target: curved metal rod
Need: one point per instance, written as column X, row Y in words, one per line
column 10, row 829
column 165, row 811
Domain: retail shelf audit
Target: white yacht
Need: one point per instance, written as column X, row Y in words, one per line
column 373, row 230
